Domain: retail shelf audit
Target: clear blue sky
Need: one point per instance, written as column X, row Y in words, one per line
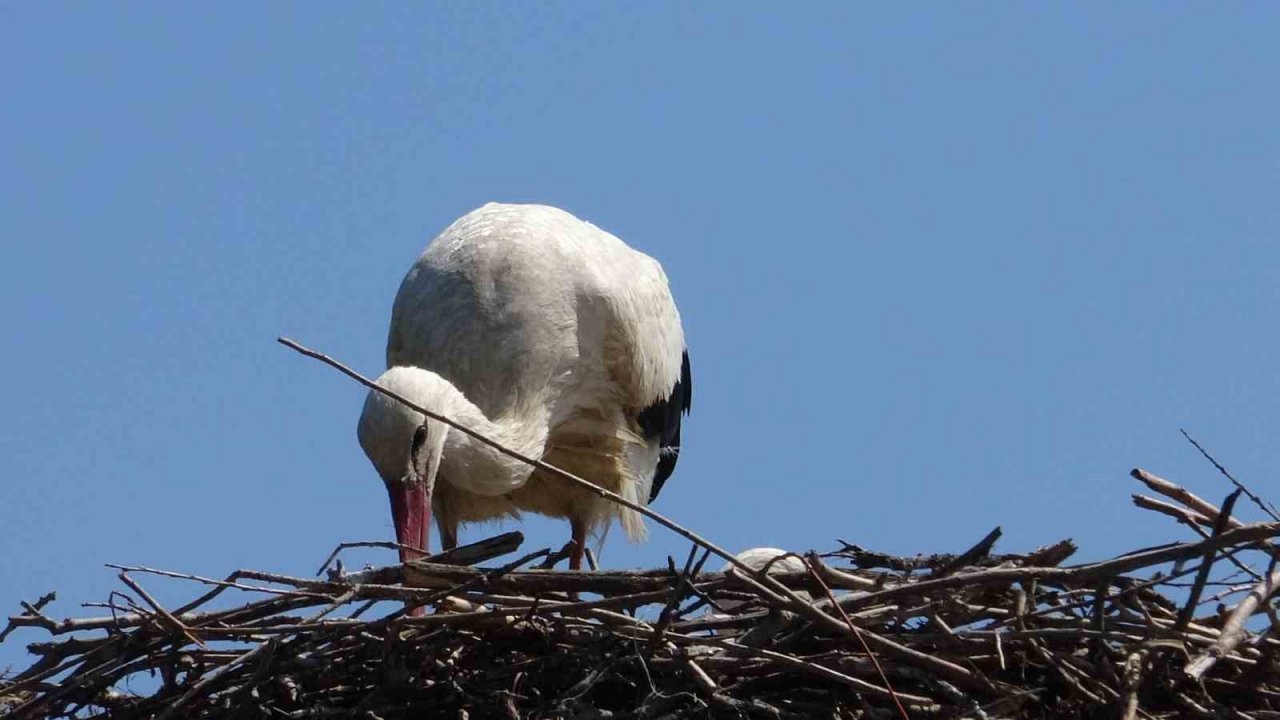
column 940, row 270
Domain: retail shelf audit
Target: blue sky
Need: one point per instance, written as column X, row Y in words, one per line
column 940, row 269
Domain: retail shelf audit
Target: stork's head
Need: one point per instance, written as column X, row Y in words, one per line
column 405, row 448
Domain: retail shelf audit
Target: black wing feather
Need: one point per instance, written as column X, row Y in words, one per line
column 662, row 420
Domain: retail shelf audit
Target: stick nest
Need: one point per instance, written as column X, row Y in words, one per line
column 1181, row 630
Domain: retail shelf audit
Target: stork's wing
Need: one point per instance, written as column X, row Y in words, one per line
column 662, row 419
column 646, row 355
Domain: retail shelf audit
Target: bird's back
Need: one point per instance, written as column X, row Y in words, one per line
column 511, row 302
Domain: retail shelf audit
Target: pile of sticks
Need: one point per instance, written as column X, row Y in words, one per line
column 1181, row 630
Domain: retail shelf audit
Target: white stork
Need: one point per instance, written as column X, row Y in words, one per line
column 548, row 335
column 772, row 561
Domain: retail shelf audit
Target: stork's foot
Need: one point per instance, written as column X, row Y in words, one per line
column 556, row 557
column 574, row 549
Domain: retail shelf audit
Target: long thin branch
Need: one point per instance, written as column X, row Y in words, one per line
column 813, row 560
column 1266, row 507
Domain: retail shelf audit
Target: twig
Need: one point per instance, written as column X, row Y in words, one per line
column 484, row 578
column 469, row 554
column 1190, row 518
column 1206, row 565
column 1173, row 491
column 33, row 610
column 1266, row 507
column 358, row 544
column 211, row 678
column 809, row 564
column 678, row 593
column 168, row 619
column 1233, row 629
column 980, row 549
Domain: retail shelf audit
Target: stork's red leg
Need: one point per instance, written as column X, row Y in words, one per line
column 579, row 543
column 448, row 536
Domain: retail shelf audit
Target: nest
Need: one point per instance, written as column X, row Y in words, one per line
column 1160, row 632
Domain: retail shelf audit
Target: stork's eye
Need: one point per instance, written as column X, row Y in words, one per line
column 419, row 438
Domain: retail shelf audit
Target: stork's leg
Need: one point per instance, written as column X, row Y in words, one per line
column 448, row 535
column 579, row 543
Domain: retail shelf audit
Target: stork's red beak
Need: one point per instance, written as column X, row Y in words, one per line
column 411, row 512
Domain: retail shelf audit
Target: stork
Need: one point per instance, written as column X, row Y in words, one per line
column 548, row 335
column 772, row 561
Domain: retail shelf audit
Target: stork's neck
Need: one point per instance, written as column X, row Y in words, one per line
column 479, row 468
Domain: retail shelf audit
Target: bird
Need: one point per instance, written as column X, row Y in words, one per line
column 770, row 560
column 550, row 336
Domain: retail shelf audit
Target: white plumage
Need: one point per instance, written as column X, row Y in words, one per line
column 773, row 561
column 544, row 333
